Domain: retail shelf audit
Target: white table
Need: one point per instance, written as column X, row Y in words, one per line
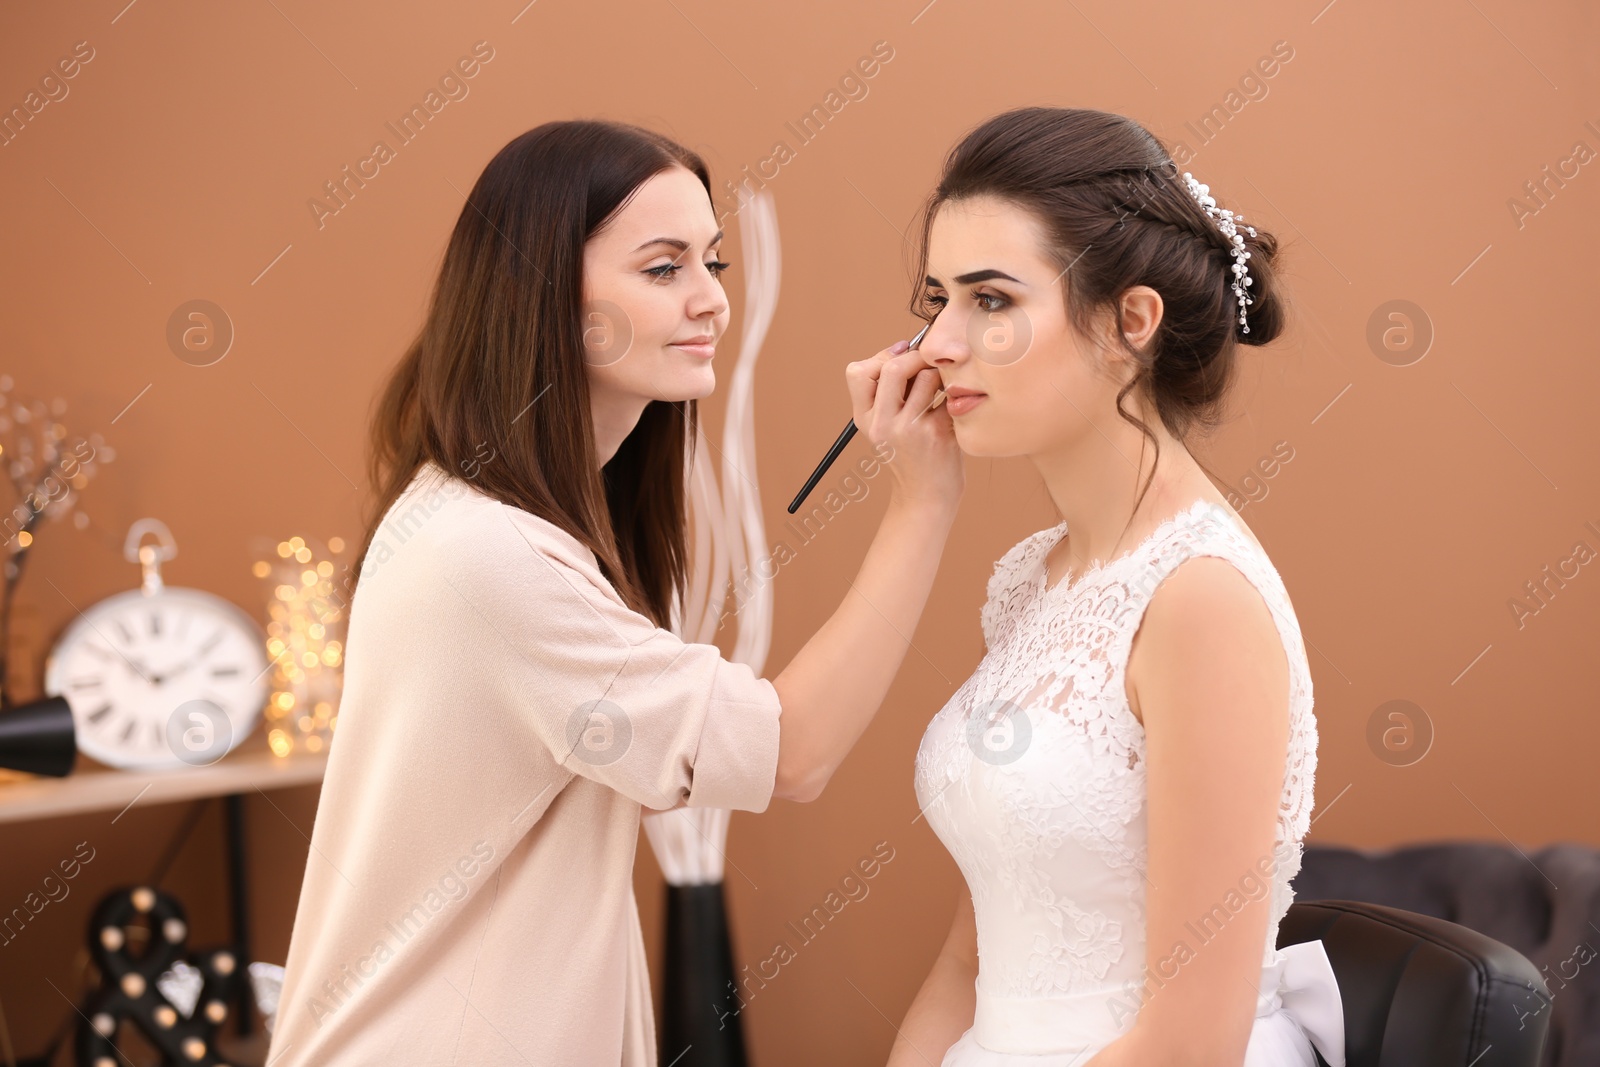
column 97, row 788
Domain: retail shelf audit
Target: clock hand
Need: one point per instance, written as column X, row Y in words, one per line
column 205, row 651
column 157, row 679
column 174, row 672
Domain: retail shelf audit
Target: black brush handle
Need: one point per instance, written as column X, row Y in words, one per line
column 822, row 468
column 848, row 432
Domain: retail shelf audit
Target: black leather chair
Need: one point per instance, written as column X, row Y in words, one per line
column 1543, row 902
column 1423, row 992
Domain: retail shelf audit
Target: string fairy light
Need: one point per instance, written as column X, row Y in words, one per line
column 305, row 640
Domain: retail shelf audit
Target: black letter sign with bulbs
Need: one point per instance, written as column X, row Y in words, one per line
column 129, row 990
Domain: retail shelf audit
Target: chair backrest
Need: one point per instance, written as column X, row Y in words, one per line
column 1545, row 903
column 1423, row 992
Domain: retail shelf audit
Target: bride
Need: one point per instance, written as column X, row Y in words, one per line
column 1126, row 778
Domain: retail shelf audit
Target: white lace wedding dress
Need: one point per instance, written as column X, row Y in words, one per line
column 1033, row 776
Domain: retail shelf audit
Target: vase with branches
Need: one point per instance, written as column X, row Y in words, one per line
column 49, row 468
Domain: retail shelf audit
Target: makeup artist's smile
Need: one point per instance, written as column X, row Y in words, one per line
column 704, row 346
column 959, row 400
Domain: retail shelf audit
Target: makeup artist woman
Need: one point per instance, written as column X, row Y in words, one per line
column 513, row 693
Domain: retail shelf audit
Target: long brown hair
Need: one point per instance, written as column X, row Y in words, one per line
column 1117, row 214
column 494, row 387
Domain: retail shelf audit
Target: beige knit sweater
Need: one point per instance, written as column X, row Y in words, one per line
column 468, row 896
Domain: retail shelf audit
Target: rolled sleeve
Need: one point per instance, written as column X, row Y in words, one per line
column 736, row 765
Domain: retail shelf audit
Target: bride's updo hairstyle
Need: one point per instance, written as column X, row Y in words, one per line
column 1118, row 214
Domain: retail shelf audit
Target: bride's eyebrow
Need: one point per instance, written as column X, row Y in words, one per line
column 977, row 276
column 680, row 245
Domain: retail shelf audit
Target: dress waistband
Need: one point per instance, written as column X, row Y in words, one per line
column 1299, row 981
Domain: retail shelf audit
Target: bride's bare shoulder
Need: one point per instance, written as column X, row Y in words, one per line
column 1206, row 630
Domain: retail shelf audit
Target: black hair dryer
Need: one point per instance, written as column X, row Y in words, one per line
column 39, row 738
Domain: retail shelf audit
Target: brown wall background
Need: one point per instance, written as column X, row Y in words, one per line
column 1388, row 153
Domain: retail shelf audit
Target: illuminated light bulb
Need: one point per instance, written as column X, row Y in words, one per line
column 304, row 613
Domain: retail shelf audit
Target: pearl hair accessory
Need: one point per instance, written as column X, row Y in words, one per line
column 1225, row 220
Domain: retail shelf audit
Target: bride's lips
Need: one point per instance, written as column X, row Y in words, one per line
column 705, row 347
column 959, row 401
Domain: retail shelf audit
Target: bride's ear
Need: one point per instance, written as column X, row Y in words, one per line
column 1141, row 309
column 1138, row 311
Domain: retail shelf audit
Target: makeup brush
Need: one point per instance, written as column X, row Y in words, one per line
column 849, row 432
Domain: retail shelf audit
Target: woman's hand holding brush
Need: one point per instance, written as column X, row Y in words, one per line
column 897, row 401
column 871, row 369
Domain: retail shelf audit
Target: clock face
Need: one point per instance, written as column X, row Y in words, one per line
column 164, row 680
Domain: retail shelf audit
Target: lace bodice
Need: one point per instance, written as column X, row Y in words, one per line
column 1033, row 774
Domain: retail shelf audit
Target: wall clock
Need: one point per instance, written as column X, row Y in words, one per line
column 160, row 677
